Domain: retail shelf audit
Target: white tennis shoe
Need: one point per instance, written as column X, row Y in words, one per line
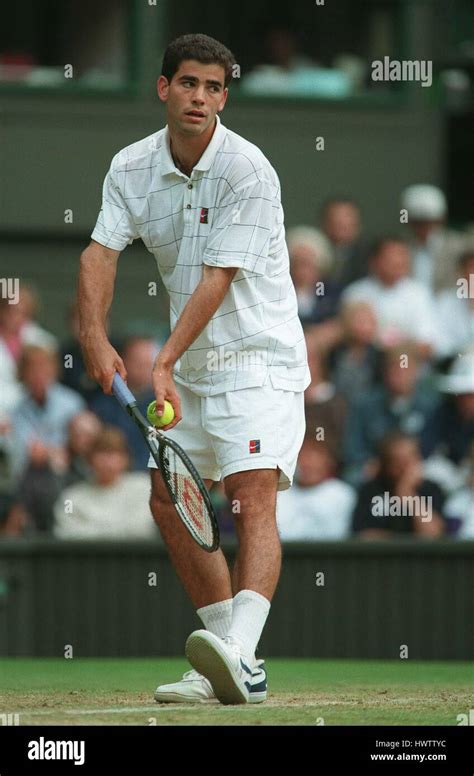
column 221, row 662
column 195, row 688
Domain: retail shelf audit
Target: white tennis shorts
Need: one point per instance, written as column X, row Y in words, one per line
column 250, row 428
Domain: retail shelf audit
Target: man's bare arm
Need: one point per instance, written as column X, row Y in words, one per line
column 95, row 290
column 201, row 306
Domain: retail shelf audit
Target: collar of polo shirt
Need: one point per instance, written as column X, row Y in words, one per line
column 167, row 164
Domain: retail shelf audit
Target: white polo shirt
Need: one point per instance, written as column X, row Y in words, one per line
column 228, row 213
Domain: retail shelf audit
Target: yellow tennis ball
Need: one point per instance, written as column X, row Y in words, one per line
column 160, row 420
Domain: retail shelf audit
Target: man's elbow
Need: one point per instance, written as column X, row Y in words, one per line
column 225, row 274
column 97, row 252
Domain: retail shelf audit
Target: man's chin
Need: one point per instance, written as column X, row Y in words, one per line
column 191, row 129
column 195, row 128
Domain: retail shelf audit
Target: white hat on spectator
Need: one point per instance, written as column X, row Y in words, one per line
column 424, row 203
column 460, row 378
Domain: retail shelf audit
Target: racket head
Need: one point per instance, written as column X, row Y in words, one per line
column 188, row 493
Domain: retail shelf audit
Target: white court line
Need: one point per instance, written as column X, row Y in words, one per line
column 213, row 705
column 169, row 707
column 120, row 710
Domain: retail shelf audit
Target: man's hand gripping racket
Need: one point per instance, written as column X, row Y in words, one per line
column 186, row 489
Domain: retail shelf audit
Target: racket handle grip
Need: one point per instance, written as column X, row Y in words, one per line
column 121, row 391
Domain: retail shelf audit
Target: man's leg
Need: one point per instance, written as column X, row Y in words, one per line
column 205, row 575
column 228, row 664
column 258, row 561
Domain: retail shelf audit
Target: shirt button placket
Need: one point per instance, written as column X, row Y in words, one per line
column 189, row 205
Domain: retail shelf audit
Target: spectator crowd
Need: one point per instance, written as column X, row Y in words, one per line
column 389, row 445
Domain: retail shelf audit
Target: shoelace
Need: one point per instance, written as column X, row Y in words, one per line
column 192, row 674
column 234, row 645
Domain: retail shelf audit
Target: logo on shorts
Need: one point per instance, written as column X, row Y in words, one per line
column 204, row 215
column 254, row 445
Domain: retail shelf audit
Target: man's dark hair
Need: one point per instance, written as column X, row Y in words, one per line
column 340, row 199
column 200, row 47
column 380, row 242
column 392, row 438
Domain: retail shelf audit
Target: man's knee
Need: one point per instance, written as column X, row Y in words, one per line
column 252, row 490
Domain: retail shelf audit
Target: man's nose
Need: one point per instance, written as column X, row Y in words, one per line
column 199, row 94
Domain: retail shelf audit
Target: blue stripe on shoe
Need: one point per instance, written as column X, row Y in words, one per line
column 245, row 667
column 260, row 687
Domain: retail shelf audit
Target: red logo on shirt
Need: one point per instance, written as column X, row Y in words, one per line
column 204, row 214
column 254, row 445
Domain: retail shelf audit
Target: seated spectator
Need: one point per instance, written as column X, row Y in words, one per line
column 74, row 373
column 39, row 424
column 287, row 70
column 401, row 403
column 138, row 356
column 455, row 311
column 325, row 409
column 31, row 332
column 403, row 306
column 11, row 319
column 84, row 428
column 46, row 476
column 17, row 329
column 340, row 222
column 355, row 364
column 398, row 501
column 310, row 259
column 459, row 508
column 434, row 248
column 318, row 505
column 451, row 430
column 115, row 505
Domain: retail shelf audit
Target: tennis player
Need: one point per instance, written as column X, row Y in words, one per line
column 206, row 203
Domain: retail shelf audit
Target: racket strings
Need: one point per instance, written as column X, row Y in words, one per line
column 189, row 500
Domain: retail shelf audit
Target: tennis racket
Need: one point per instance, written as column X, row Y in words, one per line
column 183, row 483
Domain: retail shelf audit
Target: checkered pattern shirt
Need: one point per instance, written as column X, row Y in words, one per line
column 228, row 213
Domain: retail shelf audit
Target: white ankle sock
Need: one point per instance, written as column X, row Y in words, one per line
column 249, row 614
column 217, row 617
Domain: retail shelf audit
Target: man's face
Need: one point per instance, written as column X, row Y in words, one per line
column 341, row 223
column 314, row 465
column 197, row 88
column 38, row 374
column 423, row 229
column 392, row 263
column 403, row 456
column 82, row 432
column 108, row 466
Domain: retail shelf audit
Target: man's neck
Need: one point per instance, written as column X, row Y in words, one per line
column 186, row 151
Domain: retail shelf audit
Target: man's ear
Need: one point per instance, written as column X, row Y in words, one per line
column 162, row 88
column 223, row 101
